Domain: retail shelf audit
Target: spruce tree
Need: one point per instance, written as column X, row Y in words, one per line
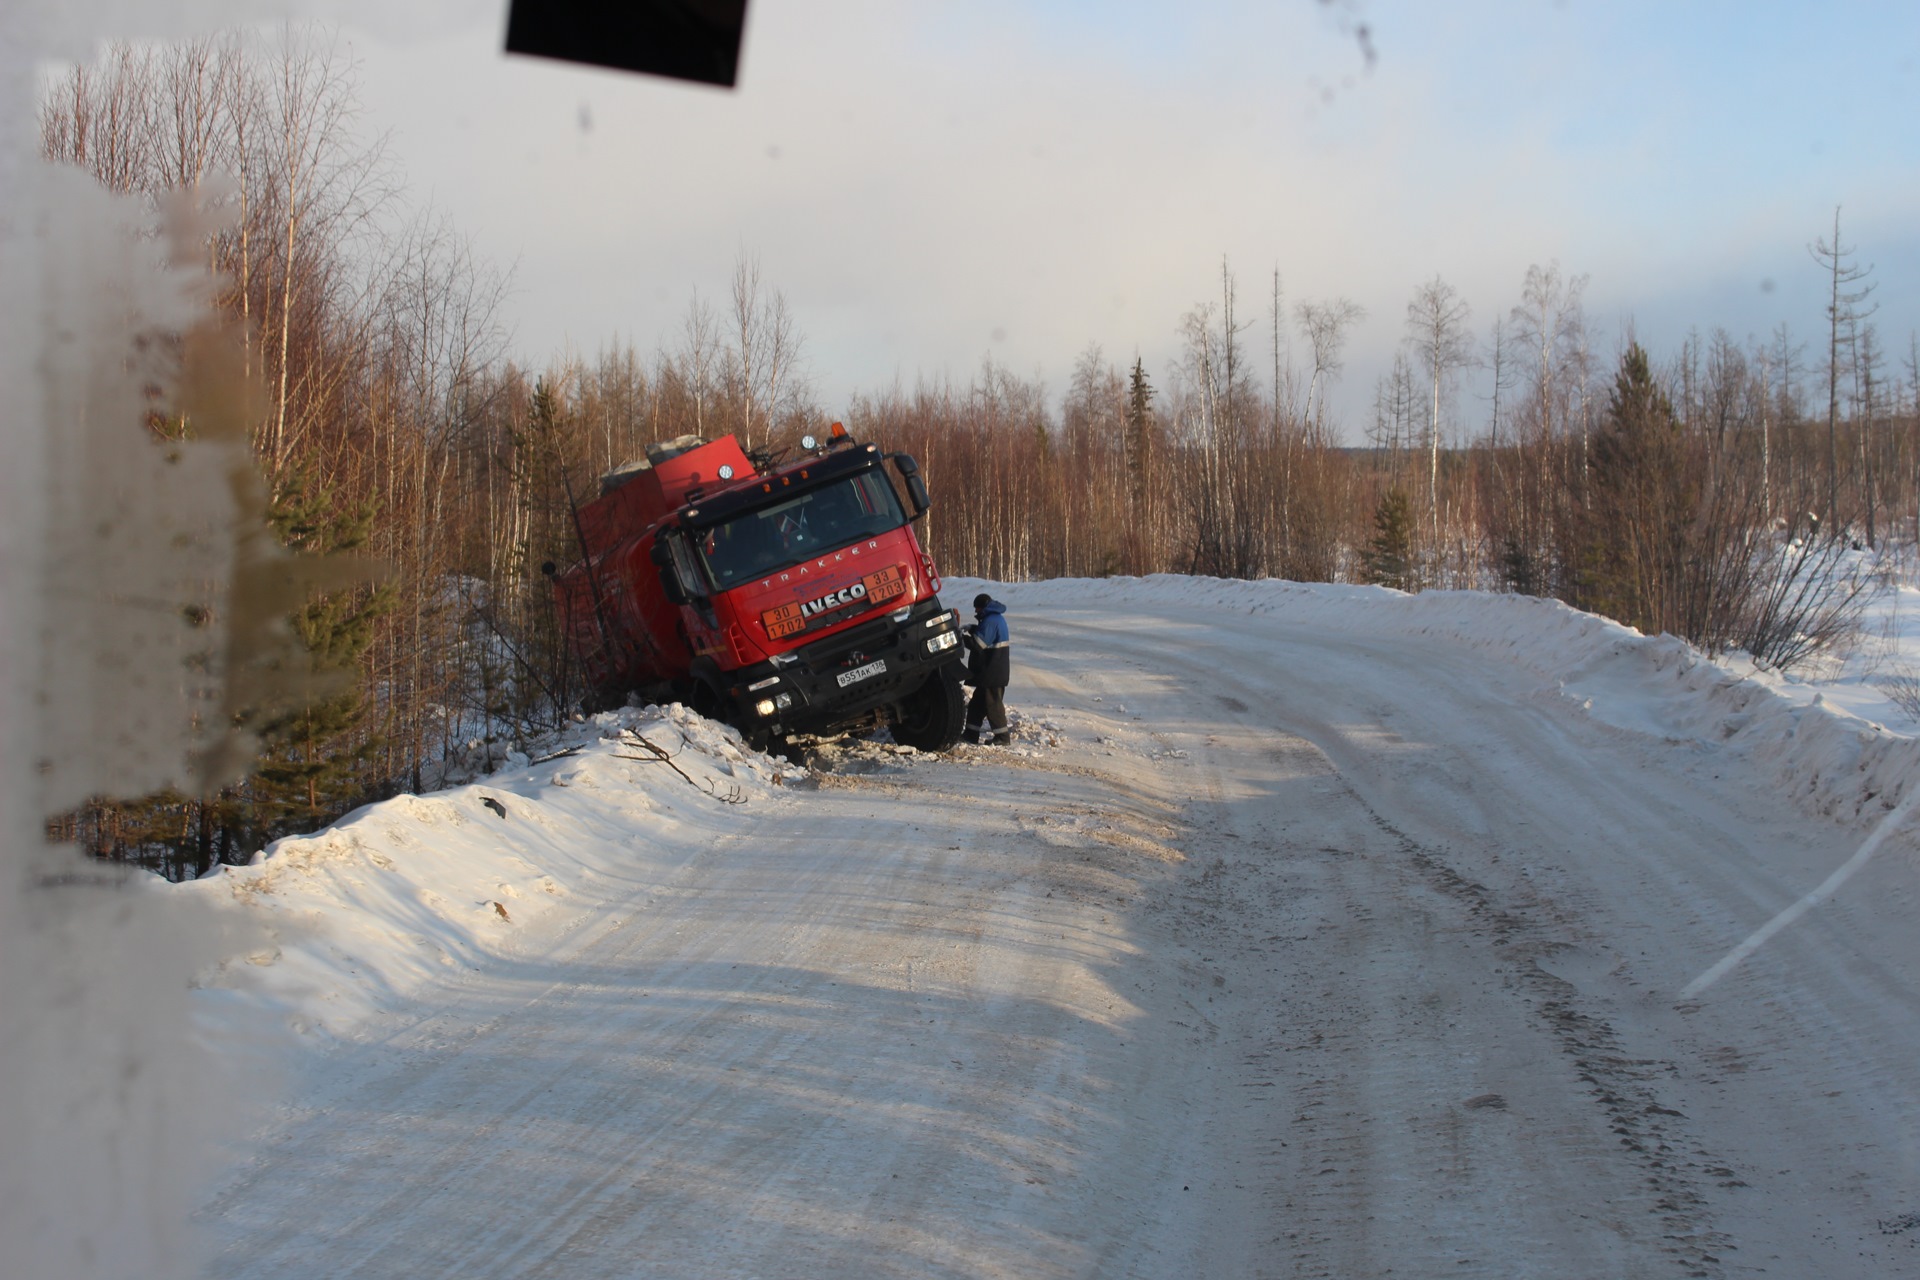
column 314, row 754
column 1389, row 555
column 1139, row 462
column 1636, row 524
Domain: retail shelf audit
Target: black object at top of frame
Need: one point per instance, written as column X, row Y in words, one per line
column 685, row 39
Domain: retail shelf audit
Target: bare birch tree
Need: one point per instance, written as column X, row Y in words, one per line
column 1325, row 325
column 762, row 361
column 1848, row 288
column 1437, row 331
column 699, row 358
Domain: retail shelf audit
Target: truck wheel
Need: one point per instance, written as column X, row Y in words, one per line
column 933, row 715
column 706, row 701
column 767, row 742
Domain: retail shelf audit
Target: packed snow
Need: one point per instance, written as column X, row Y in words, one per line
column 1303, row 930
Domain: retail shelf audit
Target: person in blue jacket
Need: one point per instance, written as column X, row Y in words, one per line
column 989, row 668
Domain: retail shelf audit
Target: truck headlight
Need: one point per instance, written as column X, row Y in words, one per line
column 764, row 706
column 945, row 640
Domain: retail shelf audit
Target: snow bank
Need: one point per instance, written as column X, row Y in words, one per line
column 357, row 918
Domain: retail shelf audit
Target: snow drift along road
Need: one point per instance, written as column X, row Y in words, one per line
column 1306, row 932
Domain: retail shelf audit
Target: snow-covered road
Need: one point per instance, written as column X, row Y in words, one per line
column 1285, row 944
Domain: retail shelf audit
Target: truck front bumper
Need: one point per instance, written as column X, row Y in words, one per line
column 846, row 676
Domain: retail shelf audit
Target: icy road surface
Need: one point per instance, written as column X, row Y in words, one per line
column 1275, row 948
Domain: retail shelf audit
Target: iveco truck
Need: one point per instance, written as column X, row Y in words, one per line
column 789, row 597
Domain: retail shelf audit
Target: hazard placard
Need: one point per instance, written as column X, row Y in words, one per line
column 784, row 621
column 886, row 584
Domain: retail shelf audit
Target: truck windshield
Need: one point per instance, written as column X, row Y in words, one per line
column 817, row 521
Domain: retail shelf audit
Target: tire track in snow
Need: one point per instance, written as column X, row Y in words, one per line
column 1639, row 863
column 1344, row 1107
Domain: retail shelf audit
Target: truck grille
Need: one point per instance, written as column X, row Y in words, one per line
column 822, row 654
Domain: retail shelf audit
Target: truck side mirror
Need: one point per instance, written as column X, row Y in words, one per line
column 916, row 487
column 670, row 585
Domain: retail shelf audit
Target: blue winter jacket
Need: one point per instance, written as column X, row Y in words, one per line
column 990, row 658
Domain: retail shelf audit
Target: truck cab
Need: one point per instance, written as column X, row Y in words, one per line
column 794, row 599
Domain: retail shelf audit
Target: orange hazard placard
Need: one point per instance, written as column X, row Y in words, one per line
column 784, row 621
column 885, row 584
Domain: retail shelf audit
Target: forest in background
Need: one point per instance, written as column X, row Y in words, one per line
column 1717, row 492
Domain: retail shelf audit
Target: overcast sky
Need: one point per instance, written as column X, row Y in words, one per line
column 929, row 183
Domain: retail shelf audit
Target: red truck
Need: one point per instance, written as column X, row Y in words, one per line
column 785, row 598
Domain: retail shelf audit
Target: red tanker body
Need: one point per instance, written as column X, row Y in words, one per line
column 789, row 599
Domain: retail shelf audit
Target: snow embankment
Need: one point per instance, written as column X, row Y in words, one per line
column 356, row 918
column 1833, row 762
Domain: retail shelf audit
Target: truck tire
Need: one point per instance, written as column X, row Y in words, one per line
column 932, row 716
column 778, row 745
column 705, row 700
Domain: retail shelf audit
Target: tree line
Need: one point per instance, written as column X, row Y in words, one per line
column 1717, row 494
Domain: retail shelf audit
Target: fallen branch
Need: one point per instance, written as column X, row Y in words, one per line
column 660, row 755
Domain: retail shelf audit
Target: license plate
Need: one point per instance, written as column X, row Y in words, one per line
column 858, row 674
